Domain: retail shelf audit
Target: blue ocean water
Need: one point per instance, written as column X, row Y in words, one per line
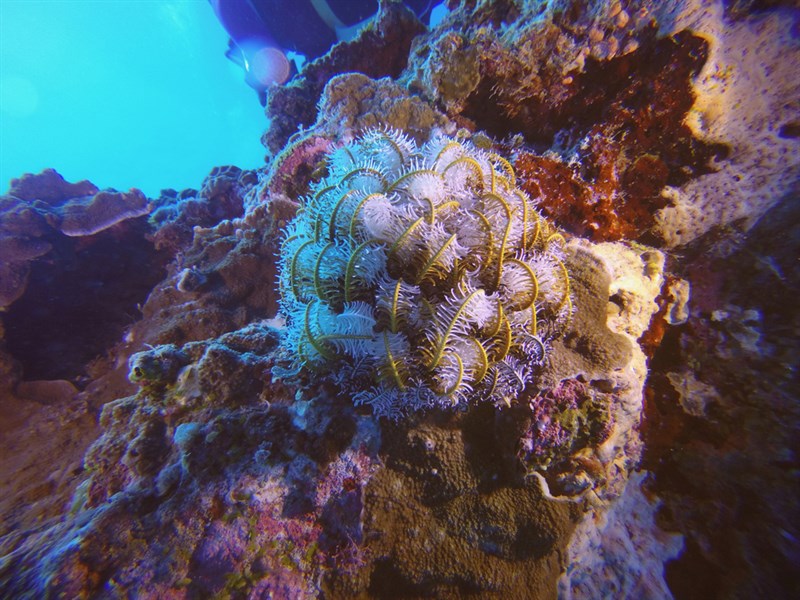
column 125, row 93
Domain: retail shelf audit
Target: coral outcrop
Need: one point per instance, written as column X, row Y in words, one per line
column 75, row 264
column 587, row 205
column 221, row 197
column 719, row 424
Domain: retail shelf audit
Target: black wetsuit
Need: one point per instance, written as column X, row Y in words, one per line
column 306, row 27
column 296, row 24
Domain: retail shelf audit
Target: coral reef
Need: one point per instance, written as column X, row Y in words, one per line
column 481, row 530
column 745, row 98
column 720, row 424
column 38, row 208
column 75, row 265
column 192, row 385
column 222, row 196
column 613, row 146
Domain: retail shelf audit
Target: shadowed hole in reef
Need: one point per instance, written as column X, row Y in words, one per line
column 493, row 464
column 713, row 471
column 387, row 581
column 79, row 300
column 691, row 576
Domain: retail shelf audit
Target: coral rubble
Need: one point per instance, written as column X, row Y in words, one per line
column 584, row 212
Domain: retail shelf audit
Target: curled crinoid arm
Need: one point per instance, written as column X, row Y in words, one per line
column 392, row 147
column 501, row 387
column 385, row 401
column 417, row 181
column 520, row 215
column 374, row 217
column 505, row 167
column 519, row 287
column 348, row 333
column 418, row 395
column 555, row 291
column 500, row 214
column 330, row 268
column 359, row 368
column 465, row 175
column 407, row 245
column 341, row 161
column 297, row 273
column 316, row 320
column 508, row 379
column 474, row 358
column 340, row 212
column 396, row 302
column 365, row 266
column 357, row 318
column 494, row 324
column 476, row 233
column 450, row 380
column 564, row 308
column 368, row 176
column 442, row 150
column 393, row 357
column 438, row 257
column 533, row 347
column 424, row 189
column 548, row 276
column 464, row 310
column 500, row 344
column 315, row 207
column 528, row 224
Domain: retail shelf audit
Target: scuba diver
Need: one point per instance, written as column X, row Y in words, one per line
column 270, row 39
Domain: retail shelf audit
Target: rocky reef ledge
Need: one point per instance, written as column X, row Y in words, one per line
column 607, row 406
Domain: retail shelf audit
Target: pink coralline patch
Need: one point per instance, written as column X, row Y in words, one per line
column 340, row 492
column 295, row 165
column 563, row 421
column 254, row 547
column 349, row 471
column 546, row 432
column 220, row 552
